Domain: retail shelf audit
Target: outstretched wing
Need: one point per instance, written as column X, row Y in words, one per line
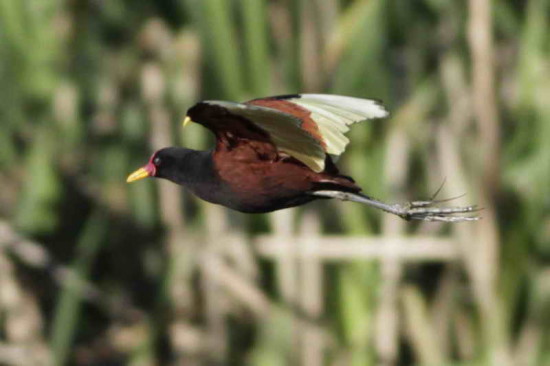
column 230, row 121
column 331, row 114
column 306, row 126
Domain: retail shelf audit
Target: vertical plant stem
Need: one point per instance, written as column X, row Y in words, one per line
column 296, row 8
column 222, row 43
column 256, row 45
column 311, row 290
column 67, row 311
column 480, row 38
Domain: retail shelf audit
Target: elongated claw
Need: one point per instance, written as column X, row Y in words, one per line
column 448, row 218
column 423, row 210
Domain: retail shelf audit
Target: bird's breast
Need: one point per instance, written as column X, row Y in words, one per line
column 256, row 185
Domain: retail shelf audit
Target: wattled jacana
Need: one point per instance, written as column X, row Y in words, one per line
column 278, row 152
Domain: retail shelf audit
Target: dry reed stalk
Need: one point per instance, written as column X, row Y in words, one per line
column 487, row 119
column 287, row 266
column 387, row 317
column 22, row 320
column 419, row 329
column 311, row 288
column 465, row 335
column 216, row 226
column 310, row 50
column 444, row 305
column 341, row 249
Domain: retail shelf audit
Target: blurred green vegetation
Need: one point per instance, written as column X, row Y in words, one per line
column 91, row 88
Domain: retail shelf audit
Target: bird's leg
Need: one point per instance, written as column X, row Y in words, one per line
column 416, row 210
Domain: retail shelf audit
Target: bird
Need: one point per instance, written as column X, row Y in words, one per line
column 278, row 152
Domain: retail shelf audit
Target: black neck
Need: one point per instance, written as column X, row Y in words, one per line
column 190, row 168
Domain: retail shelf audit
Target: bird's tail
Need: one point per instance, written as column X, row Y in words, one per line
column 340, row 183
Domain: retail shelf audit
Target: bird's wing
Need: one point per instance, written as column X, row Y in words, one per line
column 332, row 114
column 306, row 126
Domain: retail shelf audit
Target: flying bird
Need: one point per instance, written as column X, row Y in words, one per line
column 278, row 152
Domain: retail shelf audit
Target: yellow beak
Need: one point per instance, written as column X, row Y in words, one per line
column 137, row 175
column 186, row 121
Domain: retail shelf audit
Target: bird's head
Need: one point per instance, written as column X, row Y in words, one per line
column 161, row 164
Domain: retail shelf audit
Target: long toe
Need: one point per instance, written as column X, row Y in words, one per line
column 443, row 210
column 421, row 210
column 442, row 218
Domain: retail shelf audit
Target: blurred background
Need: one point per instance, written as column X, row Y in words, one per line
column 97, row 272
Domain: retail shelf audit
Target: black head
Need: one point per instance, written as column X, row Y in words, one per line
column 169, row 163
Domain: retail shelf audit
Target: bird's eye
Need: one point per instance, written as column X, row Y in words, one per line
column 156, row 161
